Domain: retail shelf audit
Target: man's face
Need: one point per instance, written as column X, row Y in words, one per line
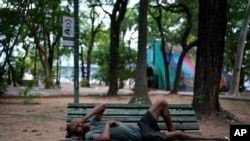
column 81, row 128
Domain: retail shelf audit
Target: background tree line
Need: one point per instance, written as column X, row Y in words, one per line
column 31, row 31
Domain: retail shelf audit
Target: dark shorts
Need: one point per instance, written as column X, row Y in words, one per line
column 150, row 131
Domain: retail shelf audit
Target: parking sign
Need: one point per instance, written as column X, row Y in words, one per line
column 68, row 31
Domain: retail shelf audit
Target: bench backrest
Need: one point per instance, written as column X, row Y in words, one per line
column 182, row 115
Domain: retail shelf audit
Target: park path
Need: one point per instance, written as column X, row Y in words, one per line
column 67, row 89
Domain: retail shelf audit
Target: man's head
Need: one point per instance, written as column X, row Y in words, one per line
column 78, row 131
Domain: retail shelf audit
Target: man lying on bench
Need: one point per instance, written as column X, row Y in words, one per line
column 146, row 129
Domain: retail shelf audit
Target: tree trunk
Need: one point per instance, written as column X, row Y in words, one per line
column 44, row 61
column 234, row 87
column 94, row 31
column 158, row 20
column 178, row 73
column 117, row 17
column 114, row 45
column 141, row 91
column 185, row 48
column 44, row 32
column 91, row 44
column 82, row 64
column 211, row 40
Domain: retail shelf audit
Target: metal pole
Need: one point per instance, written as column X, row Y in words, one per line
column 57, row 69
column 76, row 53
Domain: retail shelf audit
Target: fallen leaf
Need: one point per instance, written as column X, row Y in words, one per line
column 34, row 130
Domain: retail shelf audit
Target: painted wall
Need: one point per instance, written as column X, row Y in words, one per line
column 155, row 61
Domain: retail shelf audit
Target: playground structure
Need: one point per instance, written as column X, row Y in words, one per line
column 157, row 74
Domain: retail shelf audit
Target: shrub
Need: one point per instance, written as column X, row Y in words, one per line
column 26, row 93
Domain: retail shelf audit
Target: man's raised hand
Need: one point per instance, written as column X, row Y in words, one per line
column 73, row 124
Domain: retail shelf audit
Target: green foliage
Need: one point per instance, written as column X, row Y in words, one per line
column 40, row 20
column 126, row 65
column 26, row 93
column 236, row 14
column 46, row 16
column 102, row 73
column 48, row 83
column 100, row 56
column 139, row 100
column 173, row 20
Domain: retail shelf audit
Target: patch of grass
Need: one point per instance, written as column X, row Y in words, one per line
column 26, row 93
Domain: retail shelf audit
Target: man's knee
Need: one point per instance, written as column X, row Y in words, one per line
column 161, row 102
column 157, row 108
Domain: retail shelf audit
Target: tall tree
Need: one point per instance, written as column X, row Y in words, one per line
column 212, row 19
column 116, row 17
column 44, row 25
column 158, row 19
column 11, row 34
column 236, row 16
column 94, row 29
column 185, row 44
column 141, row 91
column 234, row 89
column 184, row 34
column 211, row 40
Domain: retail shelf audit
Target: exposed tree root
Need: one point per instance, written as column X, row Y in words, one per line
column 227, row 115
column 222, row 113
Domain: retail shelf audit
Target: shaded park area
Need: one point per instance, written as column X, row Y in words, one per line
column 46, row 118
column 31, row 45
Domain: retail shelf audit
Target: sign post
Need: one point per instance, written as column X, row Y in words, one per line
column 70, row 39
column 76, row 53
column 68, row 31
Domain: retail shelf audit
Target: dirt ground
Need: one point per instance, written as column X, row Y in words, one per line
column 45, row 120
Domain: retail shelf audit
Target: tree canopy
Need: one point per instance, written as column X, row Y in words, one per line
column 110, row 36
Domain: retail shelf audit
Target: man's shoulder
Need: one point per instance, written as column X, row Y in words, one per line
column 94, row 121
column 89, row 135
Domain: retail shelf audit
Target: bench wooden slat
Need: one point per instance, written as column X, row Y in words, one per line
column 130, row 112
column 182, row 119
column 26, row 82
column 127, row 106
column 183, row 127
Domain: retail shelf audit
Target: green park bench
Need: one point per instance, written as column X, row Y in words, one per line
column 182, row 115
column 26, row 82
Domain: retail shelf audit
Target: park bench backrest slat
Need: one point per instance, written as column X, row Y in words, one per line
column 135, row 112
column 127, row 106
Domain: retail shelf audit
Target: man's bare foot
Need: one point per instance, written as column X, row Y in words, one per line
column 224, row 139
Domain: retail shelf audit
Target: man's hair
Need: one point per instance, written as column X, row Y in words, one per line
column 74, row 134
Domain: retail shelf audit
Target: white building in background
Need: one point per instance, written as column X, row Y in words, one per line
column 66, row 69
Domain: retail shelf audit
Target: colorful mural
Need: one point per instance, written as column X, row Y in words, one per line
column 155, row 61
column 187, row 72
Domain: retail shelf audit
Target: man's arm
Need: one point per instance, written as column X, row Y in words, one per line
column 105, row 136
column 97, row 111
